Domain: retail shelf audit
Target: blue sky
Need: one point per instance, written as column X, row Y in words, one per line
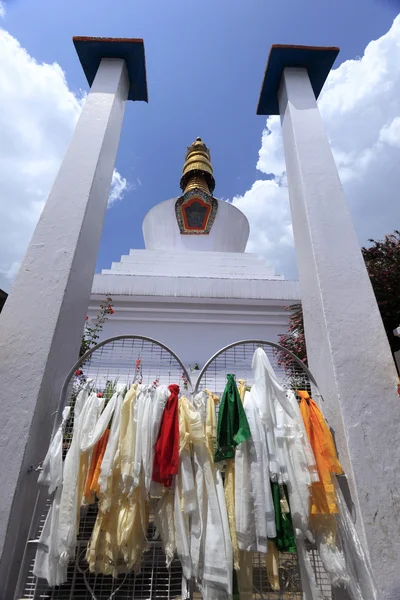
column 205, row 64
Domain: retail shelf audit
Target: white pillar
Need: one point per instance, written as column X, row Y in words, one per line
column 347, row 346
column 42, row 321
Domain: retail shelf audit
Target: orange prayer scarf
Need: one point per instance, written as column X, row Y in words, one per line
column 95, row 465
column 323, row 496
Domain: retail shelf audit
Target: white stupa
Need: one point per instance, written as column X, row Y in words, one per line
column 194, row 287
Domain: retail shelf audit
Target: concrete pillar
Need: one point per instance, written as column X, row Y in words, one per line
column 347, row 347
column 42, row 321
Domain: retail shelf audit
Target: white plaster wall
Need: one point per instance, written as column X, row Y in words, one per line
column 194, row 328
column 194, row 342
column 229, row 232
column 195, row 287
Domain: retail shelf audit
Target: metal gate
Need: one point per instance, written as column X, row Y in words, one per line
column 122, row 359
column 237, row 358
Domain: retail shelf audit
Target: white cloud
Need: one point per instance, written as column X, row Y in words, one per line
column 390, row 133
column 37, row 117
column 2, row 10
column 119, row 186
column 266, row 206
column 360, row 107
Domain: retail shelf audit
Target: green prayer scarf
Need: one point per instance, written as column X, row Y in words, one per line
column 233, row 427
column 284, row 529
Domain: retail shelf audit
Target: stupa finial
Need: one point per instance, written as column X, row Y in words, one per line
column 197, row 170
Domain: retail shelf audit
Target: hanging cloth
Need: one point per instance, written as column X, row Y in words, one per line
column 94, row 469
column 118, row 538
column 361, row 585
column 323, row 500
column 72, row 481
column 272, row 560
column 147, row 427
column 255, row 514
column 210, row 543
column 165, row 524
column 268, row 395
column 127, row 439
column 296, row 464
column 166, row 457
column 229, row 491
column 242, row 388
column 161, row 396
column 105, row 480
column 233, row 427
column 284, row 528
column 52, row 468
column 47, row 560
column 299, row 469
column 324, row 503
column 211, row 424
column 100, row 424
column 141, row 418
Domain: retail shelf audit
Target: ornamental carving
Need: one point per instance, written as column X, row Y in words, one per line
column 195, row 212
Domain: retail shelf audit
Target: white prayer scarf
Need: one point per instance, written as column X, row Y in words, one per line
column 70, row 501
column 110, row 457
column 189, row 500
column 47, row 560
column 310, row 589
column 91, row 436
column 52, row 468
column 146, row 430
column 216, row 559
column 91, row 418
column 160, row 399
column 361, row 585
column 255, row 514
column 142, row 397
column 267, row 395
column 182, row 536
column 297, row 468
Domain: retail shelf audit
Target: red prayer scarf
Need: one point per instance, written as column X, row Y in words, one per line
column 166, row 455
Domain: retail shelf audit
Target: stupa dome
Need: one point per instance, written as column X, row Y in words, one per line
column 196, row 220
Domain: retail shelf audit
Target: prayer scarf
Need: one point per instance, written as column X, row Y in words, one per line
column 86, row 405
column 167, row 448
column 233, row 427
column 255, row 516
column 323, row 497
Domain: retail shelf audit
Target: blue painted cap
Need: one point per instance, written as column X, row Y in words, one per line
column 318, row 60
column 92, row 49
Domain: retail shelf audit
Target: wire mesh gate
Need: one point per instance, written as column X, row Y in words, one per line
column 120, row 361
column 116, row 361
column 293, row 374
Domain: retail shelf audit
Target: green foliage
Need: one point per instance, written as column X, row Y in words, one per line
column 293, row 340
column 382, row 260
column 89, row 340
column 91, row 332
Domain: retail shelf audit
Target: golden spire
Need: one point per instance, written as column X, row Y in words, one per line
column 197, row 170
